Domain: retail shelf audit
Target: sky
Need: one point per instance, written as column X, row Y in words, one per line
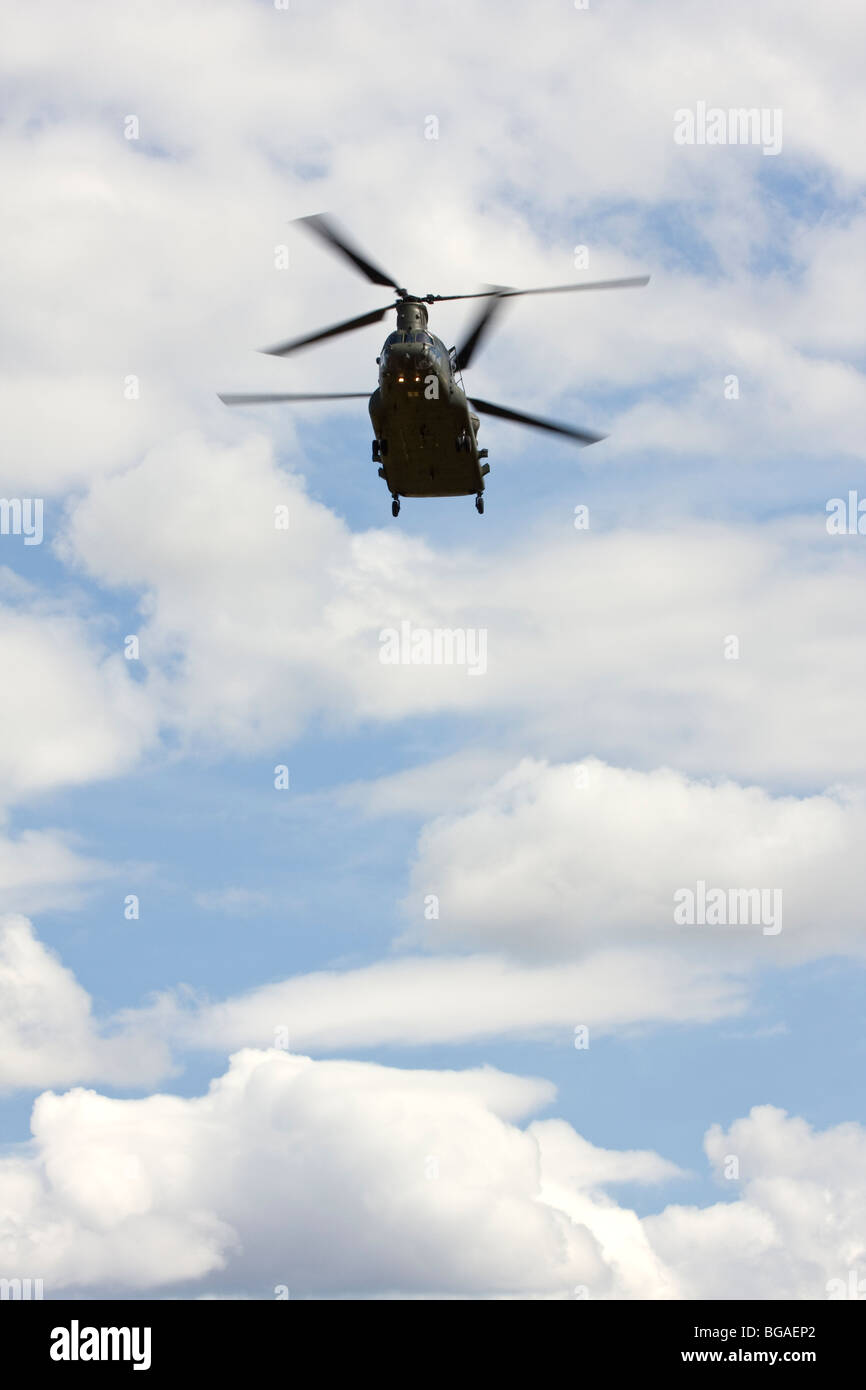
column 326, row 977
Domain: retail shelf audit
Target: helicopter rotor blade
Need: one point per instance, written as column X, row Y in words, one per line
column 324, row 228
column 480, row 328
column 630, row 282
column 348, row 326
column 267, row 398
column 583, row 437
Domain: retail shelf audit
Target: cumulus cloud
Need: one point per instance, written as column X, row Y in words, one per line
column 554, row 860
column 137, row 276
column 48, row 1036
column 72, row 713
column 608, row 640
column 798, row 1225
column 108, row 243
column 332, row 1177
column 322, row 1176
column 562, row 880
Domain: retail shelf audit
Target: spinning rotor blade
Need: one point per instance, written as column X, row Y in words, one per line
column 480, row 328
column 630, row 282
column 233, row 398
column 328, row 232
column 283, row 349
column 535, row 421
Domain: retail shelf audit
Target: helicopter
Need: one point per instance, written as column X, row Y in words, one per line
column 425, row 426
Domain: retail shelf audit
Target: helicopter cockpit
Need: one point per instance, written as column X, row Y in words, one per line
column 415, row 343
column 415, row 336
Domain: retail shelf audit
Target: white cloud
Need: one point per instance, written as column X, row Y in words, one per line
column 611, row 640
column 72, row 713
column 113, row 268
column 50, row 1037
column 195, row 527
column 798, row 1224
column 574, row 1176
column 428, row 789
column 400, row 1002
column 156, row 259
column 41, row 869
column 322, row 1176
column 553, row 861
column 576, row 882
column 332, row 1177
column 47, row 1032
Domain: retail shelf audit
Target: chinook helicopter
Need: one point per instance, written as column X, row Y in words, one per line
column 425, row 426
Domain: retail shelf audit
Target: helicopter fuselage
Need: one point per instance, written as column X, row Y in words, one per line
column 426, row 431
column 426, row 435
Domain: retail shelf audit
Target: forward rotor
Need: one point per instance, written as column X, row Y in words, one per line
column 337, row 241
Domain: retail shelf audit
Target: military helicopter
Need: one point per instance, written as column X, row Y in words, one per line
column 425, row 426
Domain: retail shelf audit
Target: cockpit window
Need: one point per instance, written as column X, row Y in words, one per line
column 414, row 337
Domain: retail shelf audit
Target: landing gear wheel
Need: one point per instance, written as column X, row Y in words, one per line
column 479, row 505
column 395, row 507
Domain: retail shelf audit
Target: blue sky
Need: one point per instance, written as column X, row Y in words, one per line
column 261, row 908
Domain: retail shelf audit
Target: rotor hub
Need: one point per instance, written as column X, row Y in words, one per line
column 411, row 315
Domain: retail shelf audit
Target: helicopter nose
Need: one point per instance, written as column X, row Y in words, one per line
column 405, row 365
